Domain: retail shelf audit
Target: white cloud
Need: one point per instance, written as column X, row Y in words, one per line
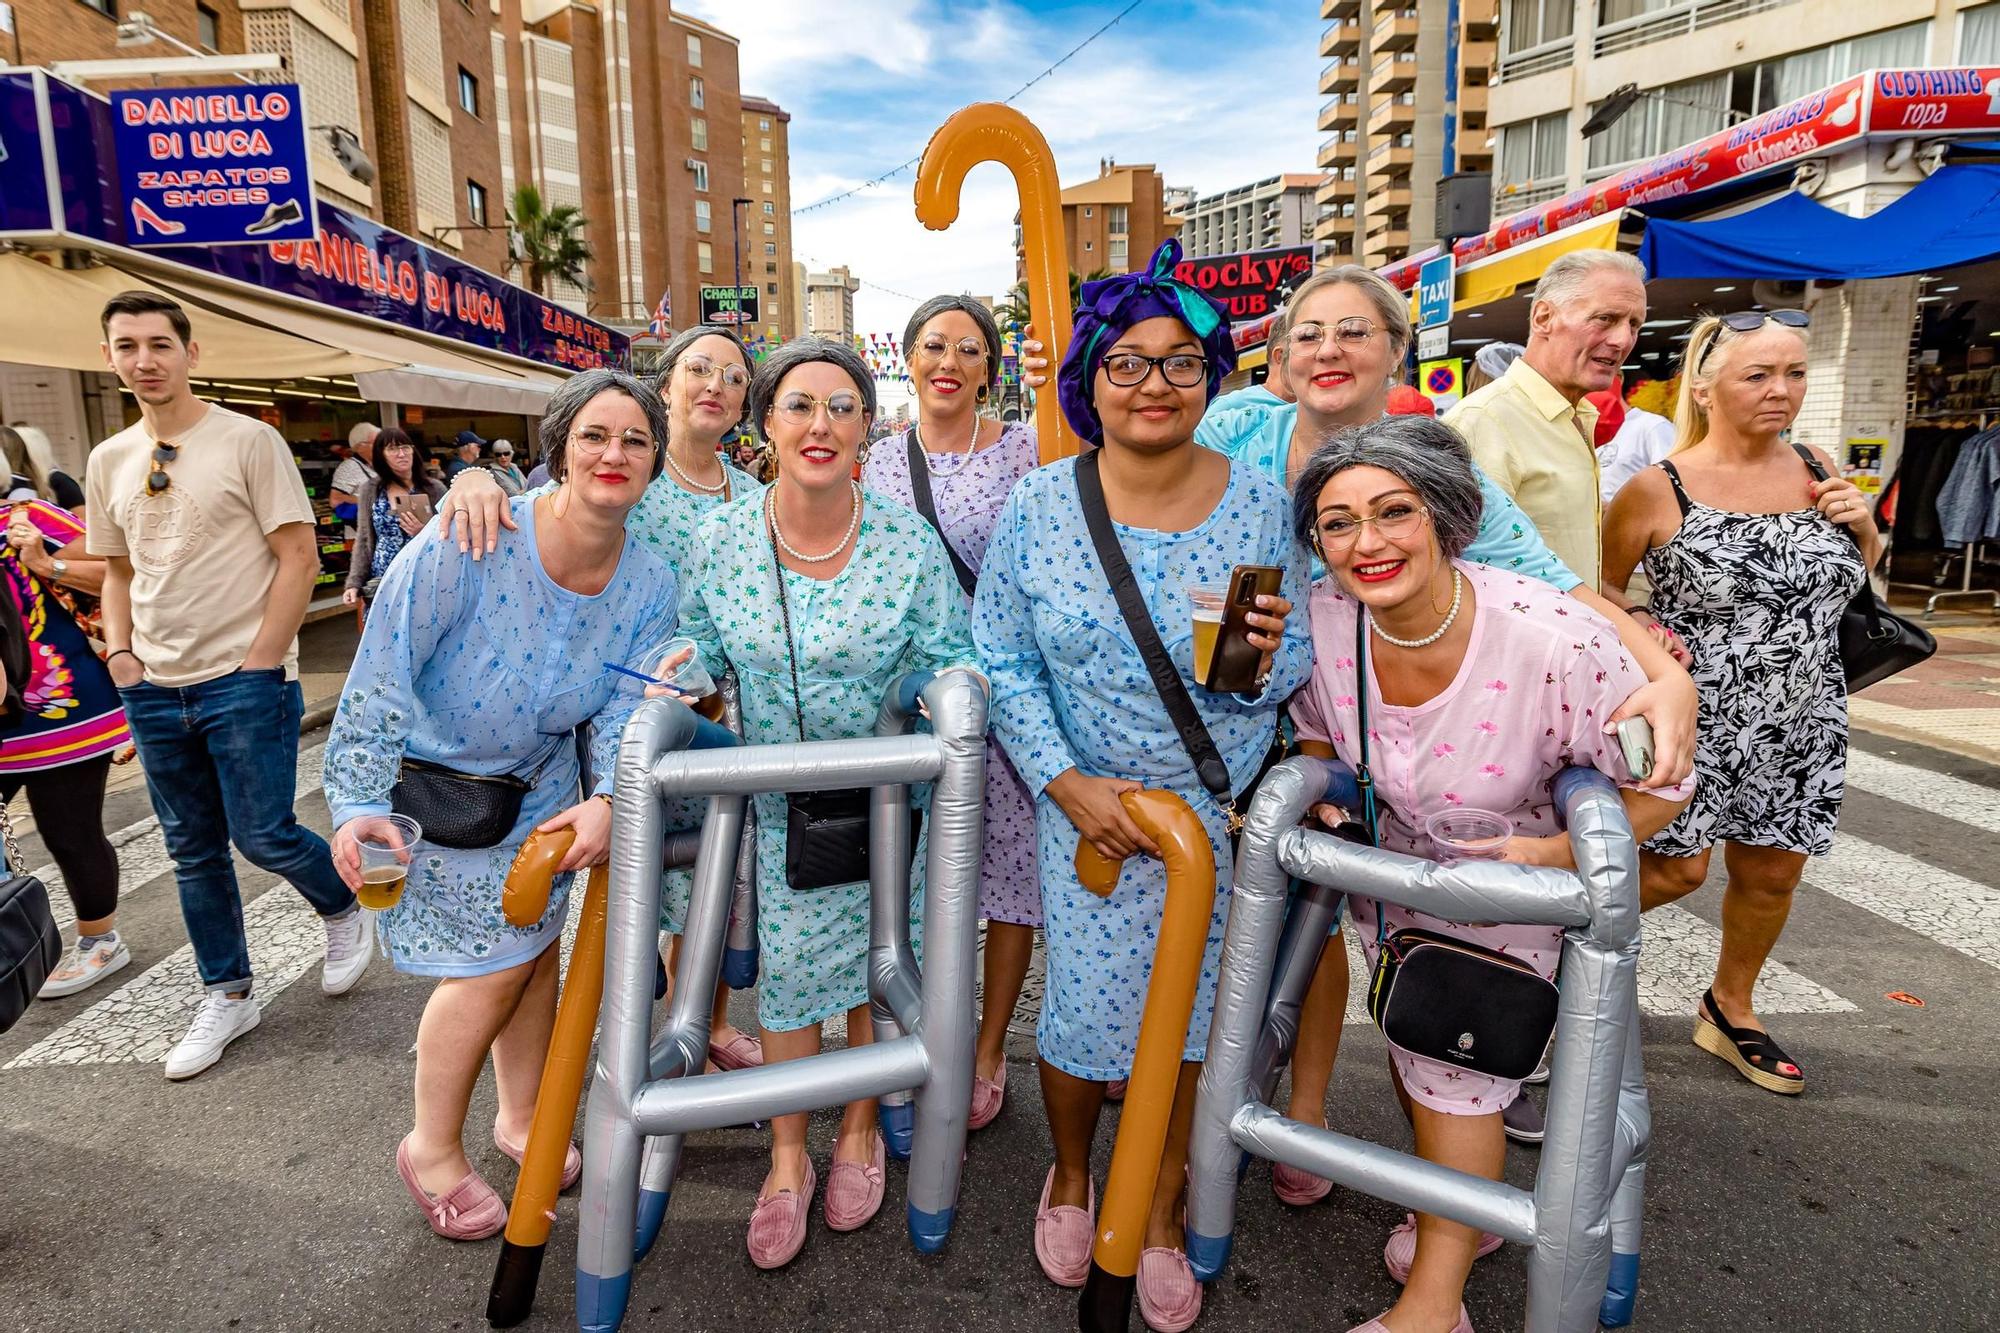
column 782, row 40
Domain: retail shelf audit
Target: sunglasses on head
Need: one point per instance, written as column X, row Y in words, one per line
column 1749, row 321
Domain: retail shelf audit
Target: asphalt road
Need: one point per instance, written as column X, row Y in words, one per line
column 263, row 1194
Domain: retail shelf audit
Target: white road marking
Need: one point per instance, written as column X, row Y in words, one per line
column 1959, row 913
column 1937, row 793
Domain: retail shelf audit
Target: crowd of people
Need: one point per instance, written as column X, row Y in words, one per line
column 1453, row 611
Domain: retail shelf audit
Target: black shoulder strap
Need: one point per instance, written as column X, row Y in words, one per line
column 1680, row 494
column 920, row 488
column 1208, row 765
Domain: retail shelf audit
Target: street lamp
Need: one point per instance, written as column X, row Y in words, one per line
column 736, row 240
column 1623, row 98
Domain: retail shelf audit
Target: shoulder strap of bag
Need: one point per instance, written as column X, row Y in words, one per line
column 1865, row 598
column 1363, row 778
column 1208, row 765
column 920, row 489
column 785, row 613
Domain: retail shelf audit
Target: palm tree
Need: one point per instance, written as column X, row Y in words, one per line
column 1013, row 307
column 547, row 242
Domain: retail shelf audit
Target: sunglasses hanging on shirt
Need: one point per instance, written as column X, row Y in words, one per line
column 157, row 480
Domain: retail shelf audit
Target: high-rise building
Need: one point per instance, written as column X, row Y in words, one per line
column 1406, row 87
column 830, row 303
column 1113, row 222
column 1275, row 211
column 767, row 175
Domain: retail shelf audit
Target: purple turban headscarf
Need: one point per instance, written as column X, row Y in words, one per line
column 1110, row 306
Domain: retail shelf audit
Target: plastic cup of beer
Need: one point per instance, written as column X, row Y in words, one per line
column 1206, row 601
column 690, row 677
column 386, row 843
column 1465, row 833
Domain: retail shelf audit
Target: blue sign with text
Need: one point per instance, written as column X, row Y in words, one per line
column 214, row 166
column 1434, row 284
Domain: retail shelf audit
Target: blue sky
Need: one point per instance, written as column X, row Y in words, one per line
column 1216, row 94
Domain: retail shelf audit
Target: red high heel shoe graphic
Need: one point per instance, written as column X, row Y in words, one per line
column 143, row 217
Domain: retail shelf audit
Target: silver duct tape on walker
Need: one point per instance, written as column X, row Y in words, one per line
column 1592, row 1161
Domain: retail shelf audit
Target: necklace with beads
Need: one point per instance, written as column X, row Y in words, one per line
column 1457, row 594
column 963, row 457
column 721, row 488
column 771, row 513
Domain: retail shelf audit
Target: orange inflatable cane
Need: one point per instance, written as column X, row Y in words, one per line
column 1177, row 831
column 990, row 132
column 535, row 1189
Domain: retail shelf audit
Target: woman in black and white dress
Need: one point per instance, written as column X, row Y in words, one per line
column 1752, row 562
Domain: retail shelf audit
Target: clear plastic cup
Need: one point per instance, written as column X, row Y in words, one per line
column 386, row 843
column 690, row 677
column 1465, row 833
column 1205, row 604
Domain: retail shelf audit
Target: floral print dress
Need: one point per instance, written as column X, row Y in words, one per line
column 1541, row 676
column 894, row 608
column 968, row 492
column 1070, row 690
column 487, row 667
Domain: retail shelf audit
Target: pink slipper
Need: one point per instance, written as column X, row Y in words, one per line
column 1063, row 1236
column 1401, row 1251
column 1114, row 1091
column 1298, row 1188
column 987, row 1096
column 741, row 1051
column 778, row 1225
column 469, row 1210
column 1375, row 1325
column 572, row 1160
column 854, row 1191
column 1169, row 1297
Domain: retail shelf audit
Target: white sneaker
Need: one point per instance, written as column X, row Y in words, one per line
column 83, row 968
column 219, row 1021
column 350, row 942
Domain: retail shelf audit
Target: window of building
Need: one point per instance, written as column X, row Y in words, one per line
column 704, row 256
column 1532, row 23
column 468, row 91
column 106, row 7
column 1534, row 152
column 700, row 175
column 694, row 51
column 1116, row 217
column 763, row 124
column 771, row 288
column 1790, row 77
column 475, row 202
column 698, row 134
column 763, row 145
column 770, row 247
column 1682, row 113
column 770, row 229
column 1089, row 212
column 769, row 208
column 208, row 28
column 768, row 187
column 1117, row 248
column 767, row 166
column 697, row 94
column 1979, row 35
column 1089, row 246
column 701, row 215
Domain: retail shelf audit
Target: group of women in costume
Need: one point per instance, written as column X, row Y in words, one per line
column 1481, row 666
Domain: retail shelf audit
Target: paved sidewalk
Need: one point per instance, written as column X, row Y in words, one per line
column 1951, row 702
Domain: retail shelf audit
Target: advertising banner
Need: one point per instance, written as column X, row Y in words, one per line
column 213, row 166
column 1250, row 284
column 731, row 307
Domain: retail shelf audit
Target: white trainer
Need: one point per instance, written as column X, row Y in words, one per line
column 219, row 1021
column 350, row 942
column 83, row 968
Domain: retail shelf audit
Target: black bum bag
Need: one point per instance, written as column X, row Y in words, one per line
column 1462, row 1004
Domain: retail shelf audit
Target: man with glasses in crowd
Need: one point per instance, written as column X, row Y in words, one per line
column 208, row 532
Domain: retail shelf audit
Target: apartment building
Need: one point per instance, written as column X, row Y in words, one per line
column 767, row 172
column 830, row 303
column 1275, row 211
column 1701, row 65
column 1406, row 86
column 1113, row 222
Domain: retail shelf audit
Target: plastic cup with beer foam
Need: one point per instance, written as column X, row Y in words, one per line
column 688, row 677
column 386, row 844
column 1206, row 601
column 1466, row 833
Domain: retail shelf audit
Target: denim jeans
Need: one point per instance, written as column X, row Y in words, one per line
column 220, row 760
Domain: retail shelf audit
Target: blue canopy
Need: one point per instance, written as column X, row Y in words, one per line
column 1952, row 218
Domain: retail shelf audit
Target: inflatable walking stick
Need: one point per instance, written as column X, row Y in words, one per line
column 990, row 132
column 1106, row 1304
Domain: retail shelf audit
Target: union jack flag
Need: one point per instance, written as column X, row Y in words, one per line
column 663, row 315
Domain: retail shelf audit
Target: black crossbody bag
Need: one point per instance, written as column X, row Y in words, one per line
column 1200, row 746
column 1461, row 1004
column 466, row 811
column 1875, row 642
column 920, row 490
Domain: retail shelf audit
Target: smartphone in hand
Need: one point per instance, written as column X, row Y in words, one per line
column 1635, row 738
column 1232, row 662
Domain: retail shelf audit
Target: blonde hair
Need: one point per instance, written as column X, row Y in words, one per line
column 1706, row 354
column 1391, row 305
column 23, row 461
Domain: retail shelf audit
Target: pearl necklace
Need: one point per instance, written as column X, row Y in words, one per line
column 690, row 483
column 1457, row 593
column 771, row 513
column 963, row 458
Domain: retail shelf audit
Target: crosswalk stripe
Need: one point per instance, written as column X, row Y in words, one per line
column 1938, row 793
column 1954, row 911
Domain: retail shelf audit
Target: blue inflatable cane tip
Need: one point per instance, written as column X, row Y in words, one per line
column 929, row 1231
column 652, row 1215
column 1621, row 1292
column 913, row 688
column 899, row 1128
column 1209, row 1255
column 600, row 1301
column 739, row 968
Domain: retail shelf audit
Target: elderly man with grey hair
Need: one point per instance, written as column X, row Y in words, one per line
column 353, row 473
column 1530, row 430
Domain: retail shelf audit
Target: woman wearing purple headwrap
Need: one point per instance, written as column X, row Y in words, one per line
column 1076, row 711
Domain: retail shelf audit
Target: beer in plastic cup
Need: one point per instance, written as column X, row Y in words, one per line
column 386, row 844
column 1206, row 601
column 690, row 677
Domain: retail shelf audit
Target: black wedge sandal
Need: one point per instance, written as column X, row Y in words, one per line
column 1753, row 1053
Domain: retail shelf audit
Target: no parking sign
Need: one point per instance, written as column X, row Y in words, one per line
column 1442, row 382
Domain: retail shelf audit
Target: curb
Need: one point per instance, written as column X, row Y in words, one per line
column 318, row 715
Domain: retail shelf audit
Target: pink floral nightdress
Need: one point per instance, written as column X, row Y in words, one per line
column 1542, row 674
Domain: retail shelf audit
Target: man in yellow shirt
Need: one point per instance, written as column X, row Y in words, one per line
column 1530, row 430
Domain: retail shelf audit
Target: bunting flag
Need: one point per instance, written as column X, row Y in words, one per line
column 663, row 315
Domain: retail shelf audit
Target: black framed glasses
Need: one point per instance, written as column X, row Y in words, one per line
column 1749, row 321
column 157, row 480
column 1183, row 370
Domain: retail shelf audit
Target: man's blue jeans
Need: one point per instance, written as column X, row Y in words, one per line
column 220, row 759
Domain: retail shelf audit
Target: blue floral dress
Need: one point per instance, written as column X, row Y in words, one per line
column 896, row 607
column 448, row 672
column 1070, row 690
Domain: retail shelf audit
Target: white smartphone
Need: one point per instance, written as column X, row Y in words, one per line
column 1635, row 738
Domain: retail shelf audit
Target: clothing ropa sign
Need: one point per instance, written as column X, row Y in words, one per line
column 731, row 307
column 1249, row 285
column 214, row 166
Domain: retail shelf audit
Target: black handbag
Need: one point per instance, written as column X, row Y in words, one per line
column 30, row 944
column 1449, row 1000
column 920, row 490
column 1875, row 642
column 826, row 832
column 465, row 811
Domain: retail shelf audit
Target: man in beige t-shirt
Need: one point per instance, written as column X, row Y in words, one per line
column 208, row 536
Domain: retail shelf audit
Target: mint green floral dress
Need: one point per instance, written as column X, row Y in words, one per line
column 895, row 608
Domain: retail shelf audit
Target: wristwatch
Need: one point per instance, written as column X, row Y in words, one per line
column 61, row 569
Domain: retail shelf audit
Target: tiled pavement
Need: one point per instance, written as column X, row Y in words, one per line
column 1951, row 702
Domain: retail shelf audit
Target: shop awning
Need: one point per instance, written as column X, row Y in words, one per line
column 56, row 324
column 1952, row 218
column 524, row 394
column 1497, row 277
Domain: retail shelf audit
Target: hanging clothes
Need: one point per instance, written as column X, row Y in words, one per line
column 1969, row 504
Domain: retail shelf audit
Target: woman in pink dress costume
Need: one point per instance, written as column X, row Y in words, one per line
column 1482, row 685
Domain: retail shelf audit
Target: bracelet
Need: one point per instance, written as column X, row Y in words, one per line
column 1645, row 611
column 122, row 652
column 603, row 796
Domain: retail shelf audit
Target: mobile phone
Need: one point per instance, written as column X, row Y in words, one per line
column 1635, row 738
column 1233, row 661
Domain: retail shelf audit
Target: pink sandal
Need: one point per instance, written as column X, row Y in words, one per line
column 1063, row 1236
column 572, row 1160
column 778, row 1225
column 987, row 1096
column 469, row 1210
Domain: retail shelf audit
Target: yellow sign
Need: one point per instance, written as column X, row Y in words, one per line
column 1443, row 382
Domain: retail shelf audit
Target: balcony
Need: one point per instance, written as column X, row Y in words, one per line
column 1390, row 159
column 1334, row 190
column 1478, row 54
column 1339, row 9
column 1397, row 74
column 1380, row 7
column 1480, row 17
column 1661, row 24
column 1340, row 111
column 1517, row 65
column 1341, row 74
column 1472, row 101
column 1340, row 39
column 1394, row 114
column 1391, row 202
column 1396, row 32
column 1385, row 248
column 1335, row 150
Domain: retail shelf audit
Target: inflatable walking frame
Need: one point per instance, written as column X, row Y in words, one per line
column 923, row 1022
column 1582, row 1220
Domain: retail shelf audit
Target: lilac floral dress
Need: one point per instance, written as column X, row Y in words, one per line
column 1541, row 676
column 968, row 492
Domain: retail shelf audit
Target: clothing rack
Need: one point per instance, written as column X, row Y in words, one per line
column 1970, row 554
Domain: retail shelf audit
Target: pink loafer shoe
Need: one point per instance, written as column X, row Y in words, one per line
column 469, row 1210
column 1169, row 1296
column 1063, row 1236
column 741, row 1051
column 987, row 1096
column 572, row 1160
column 1298, row 1188
column 854, row 1191
column 1375, row 1325
column 778, row 1225
column 1401, row 1251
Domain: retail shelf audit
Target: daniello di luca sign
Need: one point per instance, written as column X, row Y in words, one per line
column 213, row 166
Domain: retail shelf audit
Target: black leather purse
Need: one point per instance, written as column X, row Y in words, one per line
column 466, row 811
column 30, row 944
column 1875, row 642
